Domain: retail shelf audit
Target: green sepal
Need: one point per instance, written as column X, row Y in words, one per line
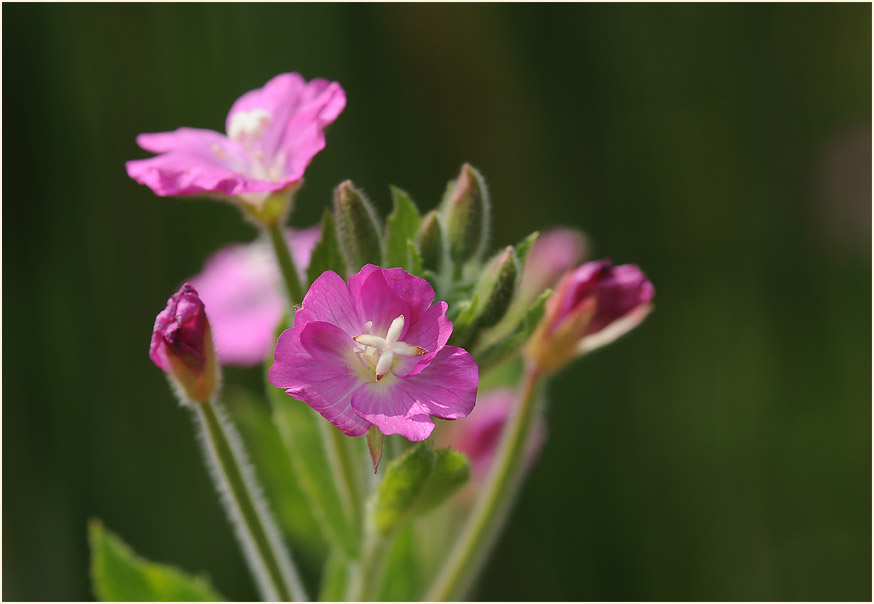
column 375, row 442
column 326, row 254
column 401, row 226
column 414, row 483
column 119, row 575
column 524, row 246
column 358, row 229
column 496, row 352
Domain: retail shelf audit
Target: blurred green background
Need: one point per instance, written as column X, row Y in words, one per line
column 721, row 452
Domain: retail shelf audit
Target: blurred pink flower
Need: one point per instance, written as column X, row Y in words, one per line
column 182, row 344
column 592, row 306
column 242, row 288
column 480, row 434
column 554, row 253
column 272, row 134
column 374, row 353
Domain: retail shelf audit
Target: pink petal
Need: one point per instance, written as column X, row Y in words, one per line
column 431, row 331
column 447, row 386
column 377, row 302
column 393, row 409
column 317, row 365
column 328, row 300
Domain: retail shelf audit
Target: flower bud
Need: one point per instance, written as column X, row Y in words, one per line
column 592, row 306
column 467, row 215
column 357, row 227
column 431, row 242
column 182, row 345
column 496, row 289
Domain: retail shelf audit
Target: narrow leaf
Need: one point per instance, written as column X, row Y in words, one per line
column 119, row 575
column 326, row 255
column 335, row 578
column 402, row 225
column 375, row 441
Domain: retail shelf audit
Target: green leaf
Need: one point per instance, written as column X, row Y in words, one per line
column 326, row 255
column 402, row 225
column 416, row 482
column 301, row 431
column 497, row 352
column 403, row 572
column 119, row 575
column 335, row 578
column 281, row 483
column 415, row 258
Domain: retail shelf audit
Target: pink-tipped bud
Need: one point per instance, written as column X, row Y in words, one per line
column 182, row 345
column 592, row 306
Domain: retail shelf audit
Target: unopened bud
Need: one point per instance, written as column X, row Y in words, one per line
column 495, row 291
column 467, row 215
column 182, row 345
column 431, row 242
column 357, row 228
column 593, row 305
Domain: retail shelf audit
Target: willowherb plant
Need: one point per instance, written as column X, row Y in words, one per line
column 364, row 329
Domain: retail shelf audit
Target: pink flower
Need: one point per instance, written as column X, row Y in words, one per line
column 182, row 344
column 273, row 133
column 242, row 287
column 374, row 353
column 480, row 435
column 592, row 306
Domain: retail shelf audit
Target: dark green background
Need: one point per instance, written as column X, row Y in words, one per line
column 721, row 452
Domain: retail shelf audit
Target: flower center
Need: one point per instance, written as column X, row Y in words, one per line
column 383, row 350
column 248, row 126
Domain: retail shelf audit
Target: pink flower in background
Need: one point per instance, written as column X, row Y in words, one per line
column 554, row 253
column 374, row 353
column 182, row 344
column 242, row 288
column 480, row 435
column 592, row 306
column 272, row 134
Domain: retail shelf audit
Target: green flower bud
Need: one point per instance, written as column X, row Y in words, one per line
column 497, row 288
column 467, row 216
column 357, row 227
column 431, row 242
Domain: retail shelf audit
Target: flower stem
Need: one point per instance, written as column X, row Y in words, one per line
column 341, row 468
column 286, row 263
column 270, row 563
column 495, row 501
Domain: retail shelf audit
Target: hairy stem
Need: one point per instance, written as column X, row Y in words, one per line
column 270, row 563
column 286, row 264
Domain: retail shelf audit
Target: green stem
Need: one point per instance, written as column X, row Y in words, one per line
column 341, row 468
column 370, row 569
column 286, row 264
column 256, row 530
column 495, row 501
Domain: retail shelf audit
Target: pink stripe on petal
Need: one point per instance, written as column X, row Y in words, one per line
column 377, row 302
column 328, row 299
column 391, row 409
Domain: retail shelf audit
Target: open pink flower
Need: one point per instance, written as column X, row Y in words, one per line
column 272, row 134
column 182, row 344
column 592, row 306
column 374, row 353
column 242, row 288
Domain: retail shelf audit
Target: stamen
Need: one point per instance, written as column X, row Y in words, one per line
column 248, row 125
column 386, row 348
